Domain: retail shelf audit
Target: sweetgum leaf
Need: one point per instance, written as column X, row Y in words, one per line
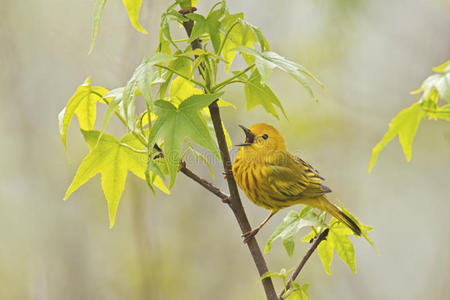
column 96, row 17
column 111, row 158
column 257, row 93
column 240, row 35
column 297, row 292
column 133, row 7
column 141, row 80
column 290, row 226
column 326, row 251
column 404, row 125
column 84, row 104
column 266, row 61
column 174, row 124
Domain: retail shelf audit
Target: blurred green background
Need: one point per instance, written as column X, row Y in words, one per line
column 369, row 54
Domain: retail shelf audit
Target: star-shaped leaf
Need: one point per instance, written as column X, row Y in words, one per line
column 337, row 239
column 84, row 104
column 174, row 124
column 133, row 7
column 404, row 125
column 440, row 82
column 240, row 35
column 291, row 225
column 96, row 17
column 298, row 292
column 266, row 61
column 143, row 78
column 210, row 25
column 113, row 159
column 257, row 93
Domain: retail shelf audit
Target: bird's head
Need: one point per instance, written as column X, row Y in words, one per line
column 262, row 138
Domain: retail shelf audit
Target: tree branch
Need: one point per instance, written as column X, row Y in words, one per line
column 235, row 200
column 207, row 185
column 308, row 254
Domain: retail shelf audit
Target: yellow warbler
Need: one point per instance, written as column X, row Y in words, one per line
column 273, row 178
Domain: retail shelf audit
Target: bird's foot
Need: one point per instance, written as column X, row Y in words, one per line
column 227, row 174
column 249, row 234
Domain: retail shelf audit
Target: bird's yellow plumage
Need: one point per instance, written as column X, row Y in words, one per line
column 273, row 178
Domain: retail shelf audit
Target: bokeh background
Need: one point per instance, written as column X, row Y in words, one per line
column 369, row 54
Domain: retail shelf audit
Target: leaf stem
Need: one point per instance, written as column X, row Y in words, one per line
column 226, row 36
column 214, row 6
column 183, row 76
column 133, row 149
column 222, row 84
column 308, row 254
column 122, row 119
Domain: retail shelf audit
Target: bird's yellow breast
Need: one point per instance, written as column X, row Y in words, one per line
column 254, row 177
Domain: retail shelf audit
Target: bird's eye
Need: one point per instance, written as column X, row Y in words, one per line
column 265, row 136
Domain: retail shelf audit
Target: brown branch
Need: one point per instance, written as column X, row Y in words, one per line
column 206, row 184
column 235, row 200
column 308, row 254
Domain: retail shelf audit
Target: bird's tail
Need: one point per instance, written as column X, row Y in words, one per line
column 326, row 205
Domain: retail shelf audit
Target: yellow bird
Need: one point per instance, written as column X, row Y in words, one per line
column 273, row 178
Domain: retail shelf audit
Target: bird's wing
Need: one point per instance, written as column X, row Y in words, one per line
column 308, row 167
column 295, row 178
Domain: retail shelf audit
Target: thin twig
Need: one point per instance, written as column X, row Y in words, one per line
column 308, row 254
column 206, row 184
column 235, row 200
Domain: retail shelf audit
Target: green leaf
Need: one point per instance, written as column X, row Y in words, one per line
column 112, row 158
column 143, row 78
column 133, row 7
column 198, row 156
column 290, row 226
column 83, row 104
column 344, row 246
column 443, row 112
column 404, row 125
column 440, row 82
column 174, row 124
column 181, row 89
column 266, row 61
column 240, row 35
column 257, row 93
column 165, row 35
column 337, row 239
column 96, row 17
column 209, row 25
column 116, row 96
column 364, row 231
column 443, row 67
column 364, row 228
column 443, row 85
column 156, row 171
column 297, row 292
column 325, row 251
column 272, row 274
column 200, row 26
column 214, row 26
column 263, row 44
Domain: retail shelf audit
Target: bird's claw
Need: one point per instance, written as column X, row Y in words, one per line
column 249, row 234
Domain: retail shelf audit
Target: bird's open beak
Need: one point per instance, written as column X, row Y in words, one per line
column 249, row 137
